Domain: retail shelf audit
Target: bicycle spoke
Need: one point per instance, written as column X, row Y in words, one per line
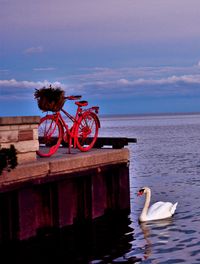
column 88, row 128
column 50, row 133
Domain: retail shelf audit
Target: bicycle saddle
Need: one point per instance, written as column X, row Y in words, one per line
column 81, row 103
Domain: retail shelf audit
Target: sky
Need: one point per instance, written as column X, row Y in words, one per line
column 126, row 56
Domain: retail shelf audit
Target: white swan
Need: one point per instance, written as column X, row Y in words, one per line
column 159, row 210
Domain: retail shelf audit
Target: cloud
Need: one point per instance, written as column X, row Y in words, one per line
column 33, row 50
column 106, row 87
column 44, row 69
column 123, row 81
column 132, row 73
column 26, row 84
column 23, row 89
column 169, row 86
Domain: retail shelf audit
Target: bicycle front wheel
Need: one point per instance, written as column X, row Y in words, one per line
column 87, row 131
column 50, row 136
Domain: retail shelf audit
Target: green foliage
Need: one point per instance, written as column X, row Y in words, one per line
column 8, row 158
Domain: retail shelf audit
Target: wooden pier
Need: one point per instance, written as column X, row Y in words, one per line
column 62, row 190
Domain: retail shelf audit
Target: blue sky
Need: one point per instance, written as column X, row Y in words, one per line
column 127, row 56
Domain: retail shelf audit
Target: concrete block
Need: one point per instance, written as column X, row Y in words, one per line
column 89, row 160
column 24, row 173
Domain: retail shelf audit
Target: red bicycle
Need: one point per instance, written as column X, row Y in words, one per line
column 53, row 129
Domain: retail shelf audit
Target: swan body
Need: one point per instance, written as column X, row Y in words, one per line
column 157, row 211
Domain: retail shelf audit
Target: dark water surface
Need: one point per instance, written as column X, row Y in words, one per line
column 165, row 158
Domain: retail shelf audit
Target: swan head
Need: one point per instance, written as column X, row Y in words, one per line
column 143, row 191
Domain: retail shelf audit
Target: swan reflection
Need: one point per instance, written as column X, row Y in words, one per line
column 152, row 230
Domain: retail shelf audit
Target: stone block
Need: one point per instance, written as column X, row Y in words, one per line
column 23, row 146
column 34, row 126
column 8, row 136
column 14, row 127
column 35, row 133
column 19, row 120
column 5, row 128
column 21, row 127
column 26, row 134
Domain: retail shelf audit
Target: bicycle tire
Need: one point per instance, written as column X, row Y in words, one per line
column 50, row 136
column 87, row 131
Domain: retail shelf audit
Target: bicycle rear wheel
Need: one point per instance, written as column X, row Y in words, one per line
column 50, row 136
column 87, row 131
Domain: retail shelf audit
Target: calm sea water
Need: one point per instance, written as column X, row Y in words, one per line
column 167, row 159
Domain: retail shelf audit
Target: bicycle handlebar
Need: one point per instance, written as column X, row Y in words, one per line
column 73, row 97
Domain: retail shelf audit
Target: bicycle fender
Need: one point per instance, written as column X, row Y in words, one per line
column 97, row 118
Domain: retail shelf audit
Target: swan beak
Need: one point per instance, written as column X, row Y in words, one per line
column 140, row 192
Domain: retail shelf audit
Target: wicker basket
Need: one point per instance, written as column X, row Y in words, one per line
column 50, row 99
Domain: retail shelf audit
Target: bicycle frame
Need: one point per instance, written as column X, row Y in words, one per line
column 69, row 134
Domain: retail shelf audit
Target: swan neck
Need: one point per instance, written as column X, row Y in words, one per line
column 143, row 215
